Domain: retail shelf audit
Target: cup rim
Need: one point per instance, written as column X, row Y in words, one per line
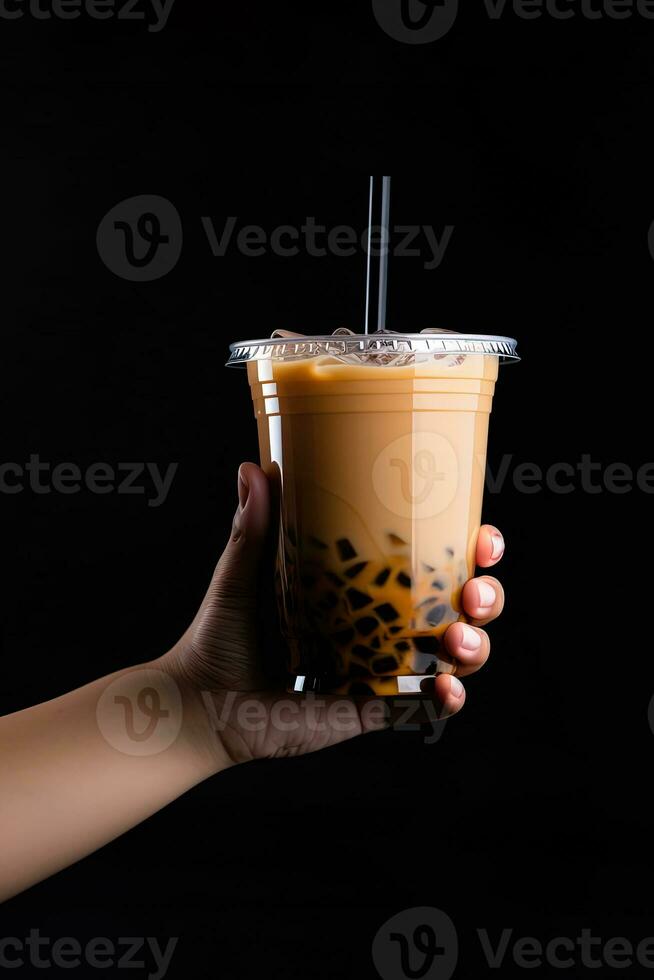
column 382, row 343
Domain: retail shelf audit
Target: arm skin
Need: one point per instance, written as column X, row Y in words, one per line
column 78, row 771
column 65, row 790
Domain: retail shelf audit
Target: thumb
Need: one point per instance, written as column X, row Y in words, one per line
column 235, row 578
column 218, row 649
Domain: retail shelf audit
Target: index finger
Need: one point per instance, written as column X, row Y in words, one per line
column 490, row 546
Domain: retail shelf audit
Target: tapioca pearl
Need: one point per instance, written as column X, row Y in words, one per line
column 375, row 643
column 435, row 615
column 426, row 644
column 366, row 625
column 355, row 570
column 359, row 650
column 403, row 579
column 345, row 549
column 358, row 670
column 429, row 569
column 439, row 584
column 358, row 599
column 402, row 646
column 449, row 552
column 387, row 612
column 394, row 629
column 429, row 601
column 382, row 578
column 317, row 543
column 384, row 665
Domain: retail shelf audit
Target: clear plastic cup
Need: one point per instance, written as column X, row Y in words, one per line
column 376, row 448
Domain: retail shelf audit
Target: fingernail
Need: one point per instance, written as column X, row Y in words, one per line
column 456, row 687
column 243, row 489
column 471, row 638
column 498, row 545
column 487, row 594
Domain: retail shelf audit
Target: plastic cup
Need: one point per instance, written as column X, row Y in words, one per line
column 376, row 448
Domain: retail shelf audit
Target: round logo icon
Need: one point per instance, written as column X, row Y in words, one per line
column 140, row 713
column 140, row 239
column 416, row 476
column 416, row 944
column 415, row 21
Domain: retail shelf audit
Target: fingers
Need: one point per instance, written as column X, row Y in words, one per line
column 468, row 645
column 482, row 599
column 443, row 697
column 451, row 693
column 490, row 546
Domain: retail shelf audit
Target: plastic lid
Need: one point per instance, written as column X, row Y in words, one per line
column 383, row 347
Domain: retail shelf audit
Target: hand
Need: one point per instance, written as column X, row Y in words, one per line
column 219, row 651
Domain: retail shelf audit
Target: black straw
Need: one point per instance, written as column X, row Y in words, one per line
column 377, row 265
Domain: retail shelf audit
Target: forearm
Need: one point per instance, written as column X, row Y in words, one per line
column 80, row 770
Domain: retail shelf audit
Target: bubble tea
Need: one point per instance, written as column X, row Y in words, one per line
column 376, row 447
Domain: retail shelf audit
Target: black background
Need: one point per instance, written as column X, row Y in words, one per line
column 531, row 138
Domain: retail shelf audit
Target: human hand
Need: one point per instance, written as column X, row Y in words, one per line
column 219, row 652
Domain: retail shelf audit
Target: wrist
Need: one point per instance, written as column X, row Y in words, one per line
column 198, row 733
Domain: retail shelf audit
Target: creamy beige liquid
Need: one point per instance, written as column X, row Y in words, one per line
column 380, row 471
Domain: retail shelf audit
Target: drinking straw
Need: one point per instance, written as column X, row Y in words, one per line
column 382, row 273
